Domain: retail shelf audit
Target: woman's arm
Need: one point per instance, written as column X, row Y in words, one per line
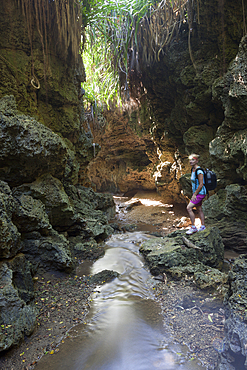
column 200, row 186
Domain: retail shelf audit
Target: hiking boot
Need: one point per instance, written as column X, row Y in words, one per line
column 202, row 228
column 192, row 230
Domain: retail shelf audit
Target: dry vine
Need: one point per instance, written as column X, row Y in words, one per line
column 58, row 20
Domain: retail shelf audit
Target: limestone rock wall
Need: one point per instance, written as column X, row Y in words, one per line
column 192, row 103
column 125, row 159
column 234, row 353
column 26, row 65
column 47, row 220
column 187, row 105
column 228, row 149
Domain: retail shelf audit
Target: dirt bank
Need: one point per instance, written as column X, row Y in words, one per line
column 62, row 302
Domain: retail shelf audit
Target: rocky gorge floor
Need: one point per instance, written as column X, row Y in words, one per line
column 193, row 317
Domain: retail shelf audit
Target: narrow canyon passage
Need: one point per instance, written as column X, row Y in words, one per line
column 124, row 328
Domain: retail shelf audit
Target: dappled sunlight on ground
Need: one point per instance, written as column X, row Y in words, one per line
column 147, row 209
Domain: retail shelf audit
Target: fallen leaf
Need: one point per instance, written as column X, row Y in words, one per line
column 210, row 318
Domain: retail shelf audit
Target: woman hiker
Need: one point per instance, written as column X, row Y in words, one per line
column 199, row 192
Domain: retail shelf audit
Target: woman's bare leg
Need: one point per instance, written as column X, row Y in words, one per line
column 201, row 215
column 191, row 213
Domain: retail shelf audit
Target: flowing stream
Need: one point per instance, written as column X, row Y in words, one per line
column 124, row 329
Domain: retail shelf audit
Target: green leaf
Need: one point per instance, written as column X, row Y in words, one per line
column 210, row 318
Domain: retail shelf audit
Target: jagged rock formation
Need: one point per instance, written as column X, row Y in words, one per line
column 44, row 78
column 234, row 354
column 228, row 148
column 126, row 161
column 47, row 221
column 186, row 107
column 169, row 254
column 227, row 210
column 196, row 102
column 38, row 148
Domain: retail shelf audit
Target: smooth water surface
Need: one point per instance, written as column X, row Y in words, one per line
column 124, row 330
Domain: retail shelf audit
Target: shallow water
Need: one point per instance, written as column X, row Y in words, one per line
column 124, row 328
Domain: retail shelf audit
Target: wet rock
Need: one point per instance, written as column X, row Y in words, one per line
column 156, row 233
column 116, row 226
column 97, row 201
column 103, row 277
column 94, row 227
column 9, row 235
column 16, row 317
column 29, row 149
column 95, row 209
column 234, row 355
column 187, row 301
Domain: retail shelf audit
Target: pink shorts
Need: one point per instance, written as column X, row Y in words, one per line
column 198, row 200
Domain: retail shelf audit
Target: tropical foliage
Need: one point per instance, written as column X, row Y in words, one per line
column 122, row 33
column 122, row 36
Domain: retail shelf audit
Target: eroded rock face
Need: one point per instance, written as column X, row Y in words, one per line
column 227, row 210
column 126, row 160
column 228, row 149
column 51, row 225
column 17, row 318
column 50, row 215
column 45, row 83
column 49, row 251
column 190, row 108
column 49, row 192
column 169, row 254
column 10, row 237
column 41, row 213
column 234, row 354
column 38, row 149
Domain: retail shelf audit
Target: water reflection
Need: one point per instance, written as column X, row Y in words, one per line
column 124, row 330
